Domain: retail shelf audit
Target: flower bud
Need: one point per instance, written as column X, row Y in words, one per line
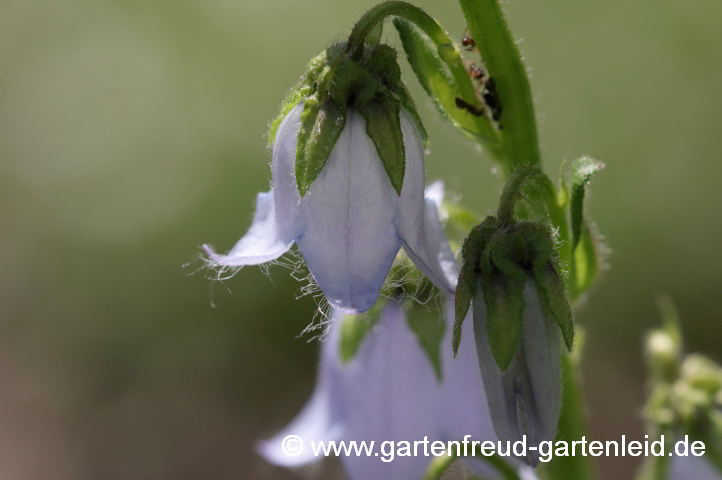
column 520, row 315
column 525, row 398
column 662, row 354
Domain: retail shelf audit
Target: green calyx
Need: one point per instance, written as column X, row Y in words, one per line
column 500, row 256
column 335, row 82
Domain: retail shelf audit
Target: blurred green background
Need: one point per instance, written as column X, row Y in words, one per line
column 132, row 132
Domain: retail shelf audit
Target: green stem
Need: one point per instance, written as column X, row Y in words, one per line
column 448, row 52
column 503, row 63
column 520, row 143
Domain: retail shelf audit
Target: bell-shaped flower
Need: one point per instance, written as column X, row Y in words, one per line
column 348, row 185
column 389, row 391
column 520, row 316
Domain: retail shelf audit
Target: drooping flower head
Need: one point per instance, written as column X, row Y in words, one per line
column 389, row 375
column 389, row 390
column 520, row 315
column 348, row 182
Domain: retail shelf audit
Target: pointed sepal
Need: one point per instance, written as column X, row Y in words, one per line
column 555, row 302
column 321, row 125
column 504, row 299
column 471, row 253
column 428, row 326
column 383, row 125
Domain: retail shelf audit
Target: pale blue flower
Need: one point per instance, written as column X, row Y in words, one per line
column 389, row 392
column 351, row 223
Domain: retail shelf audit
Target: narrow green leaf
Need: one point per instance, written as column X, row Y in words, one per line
column 587, row 262
column 383, row 125
column 503, row 62
column 321, row 125
column 428, row 326
column 505, row 304
column 583, row 170
column 354, row 329
column 555, row 302
column 439, row 83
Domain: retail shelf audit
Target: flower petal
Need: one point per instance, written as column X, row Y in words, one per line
column 435, row 192
column 390, row 395
column 312, row 424
column 349, row 238
column 263, row 241
column 463, row 409
column 541, row 342
column 463, row 391
column 426, row 244
column 420, row 217
column 284, row 174
column 275, row 224
column 320, row 419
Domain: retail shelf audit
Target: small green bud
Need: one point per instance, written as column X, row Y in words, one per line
column 662, row 354
column 520, row 314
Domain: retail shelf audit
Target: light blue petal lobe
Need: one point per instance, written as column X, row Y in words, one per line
column 312, row 424
column 426, row 244
column 349, row 238
column 284, row 175
column 390, row 393
column 435, row 192
column 321, row 419
column 262, row 243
